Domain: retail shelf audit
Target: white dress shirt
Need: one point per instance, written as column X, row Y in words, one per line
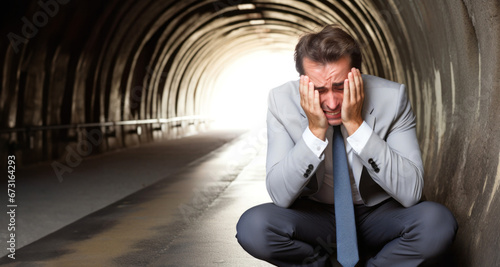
column 323, row 149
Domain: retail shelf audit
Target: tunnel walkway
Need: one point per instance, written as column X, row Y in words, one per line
column 183, row 214
column 127, row 67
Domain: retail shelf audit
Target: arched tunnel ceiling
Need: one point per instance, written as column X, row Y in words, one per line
column 79, row 62
column 157, row 47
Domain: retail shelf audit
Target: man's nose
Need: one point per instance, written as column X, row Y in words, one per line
column 332, row 100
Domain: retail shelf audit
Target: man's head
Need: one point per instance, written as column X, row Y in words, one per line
column 326, row 58
column 327, row 46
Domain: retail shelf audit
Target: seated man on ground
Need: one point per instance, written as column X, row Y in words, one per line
column 344, row 169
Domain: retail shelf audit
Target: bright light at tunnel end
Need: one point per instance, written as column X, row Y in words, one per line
column 246, row 6
column 240, row 100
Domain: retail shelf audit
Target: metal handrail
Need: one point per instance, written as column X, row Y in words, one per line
column 103, row 124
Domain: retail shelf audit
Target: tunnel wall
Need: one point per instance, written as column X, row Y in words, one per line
column 450, row 56
column 100, row 62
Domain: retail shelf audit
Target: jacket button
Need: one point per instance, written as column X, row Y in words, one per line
column 371, row 161
column 306, row 175
column 310, row 167
column 308, row 171
column 377, row 170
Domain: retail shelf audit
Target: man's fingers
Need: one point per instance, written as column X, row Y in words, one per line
column 357, row 78
column 314, row 95
column 301, row 85
column 316, row 99
column 347, row 93
column 352, row 88
column 310, row 92
column 303, row 91
column 361, row 86
column 307, row 94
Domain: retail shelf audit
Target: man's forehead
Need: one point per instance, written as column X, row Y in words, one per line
column 323, row 74
column 326, row 74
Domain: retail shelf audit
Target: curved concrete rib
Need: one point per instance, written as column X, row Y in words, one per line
column 69, row 62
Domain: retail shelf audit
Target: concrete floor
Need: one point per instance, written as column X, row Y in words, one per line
column 174, row 203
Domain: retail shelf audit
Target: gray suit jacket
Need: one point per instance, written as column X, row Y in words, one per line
column 390, row 165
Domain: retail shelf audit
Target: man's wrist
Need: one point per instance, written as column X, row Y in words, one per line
column 352, row 126
column 320, row 133
column 359, row 139
column 316, row 145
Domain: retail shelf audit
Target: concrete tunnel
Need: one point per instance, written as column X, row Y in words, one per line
column 137, row 72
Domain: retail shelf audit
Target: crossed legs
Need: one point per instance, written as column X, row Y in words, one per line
column 304, row 234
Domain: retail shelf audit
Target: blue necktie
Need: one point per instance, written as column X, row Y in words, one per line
column 347, row 245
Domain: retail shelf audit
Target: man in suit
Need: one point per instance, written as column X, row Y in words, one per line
column 393, row 226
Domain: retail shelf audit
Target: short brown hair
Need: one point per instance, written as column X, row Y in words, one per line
column 326, row 46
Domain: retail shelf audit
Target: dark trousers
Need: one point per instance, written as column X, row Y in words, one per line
column 388, row 234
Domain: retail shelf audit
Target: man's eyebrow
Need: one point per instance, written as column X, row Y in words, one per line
column 333, row 85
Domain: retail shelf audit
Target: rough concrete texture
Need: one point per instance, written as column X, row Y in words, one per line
column 101, row 61
column 450, row 60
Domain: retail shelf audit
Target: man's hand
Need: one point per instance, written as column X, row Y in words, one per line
column 352, row 104
column 309, row 100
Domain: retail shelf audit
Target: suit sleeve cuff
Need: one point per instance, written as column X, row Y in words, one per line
column 360, row 137
column 316, row 145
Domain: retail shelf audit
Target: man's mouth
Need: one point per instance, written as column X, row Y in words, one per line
column 332, row 113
